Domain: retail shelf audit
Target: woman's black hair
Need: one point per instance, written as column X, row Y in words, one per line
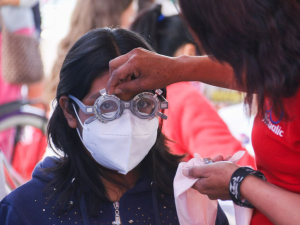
column 87, row 60
column 259, row 39
column 166, row 34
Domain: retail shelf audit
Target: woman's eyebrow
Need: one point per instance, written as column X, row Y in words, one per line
column 95, row 96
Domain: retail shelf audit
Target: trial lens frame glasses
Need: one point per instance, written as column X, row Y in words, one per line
column 145, row 105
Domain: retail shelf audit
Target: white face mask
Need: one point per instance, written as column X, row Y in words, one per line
column 120, row 144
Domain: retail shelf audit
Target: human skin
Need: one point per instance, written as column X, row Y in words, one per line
column 155, row 71
column 131, row 177
column 280, row 206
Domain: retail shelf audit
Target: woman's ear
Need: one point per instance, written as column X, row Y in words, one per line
column 71, row 119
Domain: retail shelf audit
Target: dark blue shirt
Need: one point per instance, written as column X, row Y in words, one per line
column 29, row 205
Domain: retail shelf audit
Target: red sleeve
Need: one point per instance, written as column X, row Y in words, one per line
column 28, row 154
column 195, row 126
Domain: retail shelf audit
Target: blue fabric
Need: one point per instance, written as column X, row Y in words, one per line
column 29, row 205
column 161, row 18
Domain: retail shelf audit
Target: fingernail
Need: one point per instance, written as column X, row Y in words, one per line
column 185, row 172
column 118, row 91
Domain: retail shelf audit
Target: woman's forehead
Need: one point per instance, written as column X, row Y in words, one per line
column 98, row 84
column 101, row 83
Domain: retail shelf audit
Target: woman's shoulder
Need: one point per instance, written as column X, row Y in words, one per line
column 28, row 198
column 22, row 201
column 31, row 191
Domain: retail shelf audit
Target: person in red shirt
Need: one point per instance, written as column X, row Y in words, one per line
column 210, row 136
column 252, row 46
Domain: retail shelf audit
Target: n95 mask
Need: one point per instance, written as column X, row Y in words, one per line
column 121, row 144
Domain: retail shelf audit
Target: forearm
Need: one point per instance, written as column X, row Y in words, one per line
column 157, row 71
column 205, row 70
column 279, row 205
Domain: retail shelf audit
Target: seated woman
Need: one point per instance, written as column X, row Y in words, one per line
column 114, row 165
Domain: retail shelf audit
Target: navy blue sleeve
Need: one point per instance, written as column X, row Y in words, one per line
column 8, row 216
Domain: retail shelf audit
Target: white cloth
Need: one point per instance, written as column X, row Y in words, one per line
column 194, row 208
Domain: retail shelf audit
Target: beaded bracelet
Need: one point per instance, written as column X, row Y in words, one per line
column 235, row 183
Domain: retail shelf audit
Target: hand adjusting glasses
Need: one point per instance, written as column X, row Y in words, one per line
column 145, row 105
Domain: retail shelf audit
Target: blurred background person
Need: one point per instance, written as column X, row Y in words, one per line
column 17, row 17
column 209, row 136
column 36, row 90
column 144, row 4
column 87, row 15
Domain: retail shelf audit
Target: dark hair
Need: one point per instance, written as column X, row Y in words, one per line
column 259, row 39
column 165, row 34
column 87, row 15
column 87, row 60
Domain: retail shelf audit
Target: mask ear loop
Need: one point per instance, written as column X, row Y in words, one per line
column 82, row 128
column 79, row 122
column 78, row 117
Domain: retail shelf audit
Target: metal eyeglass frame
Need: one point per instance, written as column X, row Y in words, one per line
column 160, row 104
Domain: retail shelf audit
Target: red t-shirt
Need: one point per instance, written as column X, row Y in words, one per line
column 276, row 142
column 194, row 126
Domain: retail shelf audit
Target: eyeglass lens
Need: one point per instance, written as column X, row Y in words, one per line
column 145, row 106
column 109, row 108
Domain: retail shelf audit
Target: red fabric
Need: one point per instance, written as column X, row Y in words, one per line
column 195, row 126
column 8, row 93
column 29, row 152
column 276, row 143
column 11, row 92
